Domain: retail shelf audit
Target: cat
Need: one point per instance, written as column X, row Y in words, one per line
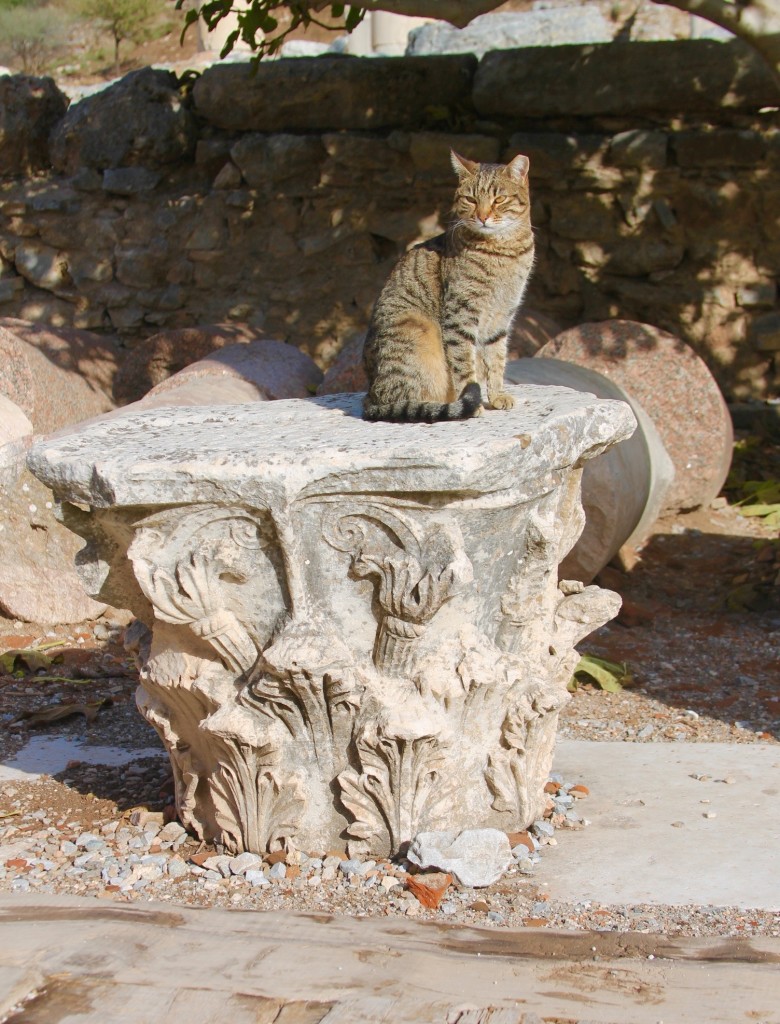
column 438, row 332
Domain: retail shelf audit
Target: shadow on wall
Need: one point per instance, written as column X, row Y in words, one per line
column 297, row 190
column 688, row 241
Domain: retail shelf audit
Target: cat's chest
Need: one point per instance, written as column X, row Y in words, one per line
column 502, row 296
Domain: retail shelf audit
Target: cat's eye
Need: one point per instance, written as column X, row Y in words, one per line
column 501, row 199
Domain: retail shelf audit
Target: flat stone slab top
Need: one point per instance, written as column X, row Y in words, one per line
column 66, row 959
column 356, row 632
column 286, row 448
column 671, row 823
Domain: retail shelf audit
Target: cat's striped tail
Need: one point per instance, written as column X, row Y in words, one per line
column 469, row 404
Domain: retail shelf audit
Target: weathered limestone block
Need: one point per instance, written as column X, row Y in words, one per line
column 29, row 109
column 329, row 93
column 357, row 630
column 508, row 30
column 141, row 120
column 683, row 76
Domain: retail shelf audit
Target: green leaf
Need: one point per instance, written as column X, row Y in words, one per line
column 230, row 42
column 30, row 658
column 609, row 675
column 337, row 10
column 189, row 19
column 759, row 510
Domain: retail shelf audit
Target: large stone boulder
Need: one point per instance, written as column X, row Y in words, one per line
column 29, row 110
column 264, row 370
column 168, row 352
column 38, row 581
column 327, row 93
column 15, row 437
column 346, row 373
column 49, row 378
column 508, row 30
column 56, row 376
column 695, row 76
column 140, row 121
column 675, row 389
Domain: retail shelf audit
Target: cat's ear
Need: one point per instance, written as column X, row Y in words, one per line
column 461, row 165
column 518, row 168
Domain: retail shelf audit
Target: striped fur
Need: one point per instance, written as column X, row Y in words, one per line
column 437, row 340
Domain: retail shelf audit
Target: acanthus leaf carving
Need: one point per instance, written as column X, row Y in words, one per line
column 517, row 770
column 397, row 784
column 416, row 568
column 187, row 770
column 181, row 560
column 258, row 802
column 309, row 680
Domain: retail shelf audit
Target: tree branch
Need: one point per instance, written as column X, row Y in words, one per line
column 756, row 22
column 719, row 12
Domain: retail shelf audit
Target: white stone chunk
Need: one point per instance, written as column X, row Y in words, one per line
column 476, row 857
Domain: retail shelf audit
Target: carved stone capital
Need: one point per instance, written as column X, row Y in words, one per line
column 356, row 631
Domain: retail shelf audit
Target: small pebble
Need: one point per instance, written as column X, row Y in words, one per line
column 256, row 879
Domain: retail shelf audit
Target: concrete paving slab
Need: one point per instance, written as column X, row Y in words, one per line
column 80, row 961
column 671, row 823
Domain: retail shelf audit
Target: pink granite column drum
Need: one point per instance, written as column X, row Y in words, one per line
column 673, row 386
column 353, row 632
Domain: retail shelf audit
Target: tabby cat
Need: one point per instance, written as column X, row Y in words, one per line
column 438, row 333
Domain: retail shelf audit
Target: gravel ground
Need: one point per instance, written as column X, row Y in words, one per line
column 705, row 659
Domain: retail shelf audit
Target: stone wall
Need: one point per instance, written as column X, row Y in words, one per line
column 281, row 200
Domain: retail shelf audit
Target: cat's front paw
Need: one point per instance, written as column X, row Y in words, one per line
column 502, row 401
